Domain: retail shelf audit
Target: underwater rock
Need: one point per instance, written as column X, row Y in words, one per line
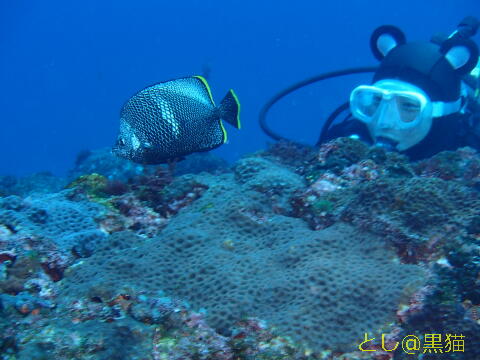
column 201, row 162
column 462, row 165
column 236, row 257
column 38, row 183
column 316, row 248
column 275, row 181
column 105, row 163
column 53, row 217
column 46, row 233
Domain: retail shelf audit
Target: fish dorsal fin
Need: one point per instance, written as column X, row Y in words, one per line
column 205, row 86
column 194, row 87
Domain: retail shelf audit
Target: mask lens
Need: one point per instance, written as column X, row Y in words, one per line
column 409, row 107
column 366, row 102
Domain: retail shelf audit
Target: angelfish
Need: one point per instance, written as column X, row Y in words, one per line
column 169, row 120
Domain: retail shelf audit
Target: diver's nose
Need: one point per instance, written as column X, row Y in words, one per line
column 385, row 117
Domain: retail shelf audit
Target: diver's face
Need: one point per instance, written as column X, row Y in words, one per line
column 398, row 115
column 396, row 125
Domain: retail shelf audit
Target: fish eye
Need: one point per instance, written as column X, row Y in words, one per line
column 121, row 142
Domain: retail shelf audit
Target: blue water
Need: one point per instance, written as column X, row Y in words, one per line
column 66, row 68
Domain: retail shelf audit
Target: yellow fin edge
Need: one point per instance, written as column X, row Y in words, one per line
column 205, row 83
column 225, row 137
column 239, row 124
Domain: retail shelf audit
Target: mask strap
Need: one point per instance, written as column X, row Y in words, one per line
column 440, row 108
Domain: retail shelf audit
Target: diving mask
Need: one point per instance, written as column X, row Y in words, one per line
column 398, row 111
column 367, row 101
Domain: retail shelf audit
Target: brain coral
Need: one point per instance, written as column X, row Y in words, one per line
column 70, row 224
column 228, row 253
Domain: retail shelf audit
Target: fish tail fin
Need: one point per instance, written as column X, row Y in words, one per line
column 230, row 109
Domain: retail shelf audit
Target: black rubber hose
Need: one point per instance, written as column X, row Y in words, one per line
column 330, row 120
column 263, row 113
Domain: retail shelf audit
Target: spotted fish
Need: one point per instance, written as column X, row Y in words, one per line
column 169, row 120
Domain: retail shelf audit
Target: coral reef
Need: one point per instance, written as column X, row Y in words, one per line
column 105, row 163
column 293, row 253
column 238, row 257
column 265, row 176
column 64, row 224
column 39, row 183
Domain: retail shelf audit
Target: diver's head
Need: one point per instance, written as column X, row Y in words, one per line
column 414, row 84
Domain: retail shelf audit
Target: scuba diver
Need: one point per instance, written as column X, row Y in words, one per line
column 424, row 96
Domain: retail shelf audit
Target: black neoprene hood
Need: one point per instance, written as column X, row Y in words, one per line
column 423, row 65
column 437, row 67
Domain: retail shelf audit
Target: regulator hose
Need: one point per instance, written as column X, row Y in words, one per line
column 262, row 118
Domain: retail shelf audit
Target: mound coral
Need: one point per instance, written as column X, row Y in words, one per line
column 237, row 258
